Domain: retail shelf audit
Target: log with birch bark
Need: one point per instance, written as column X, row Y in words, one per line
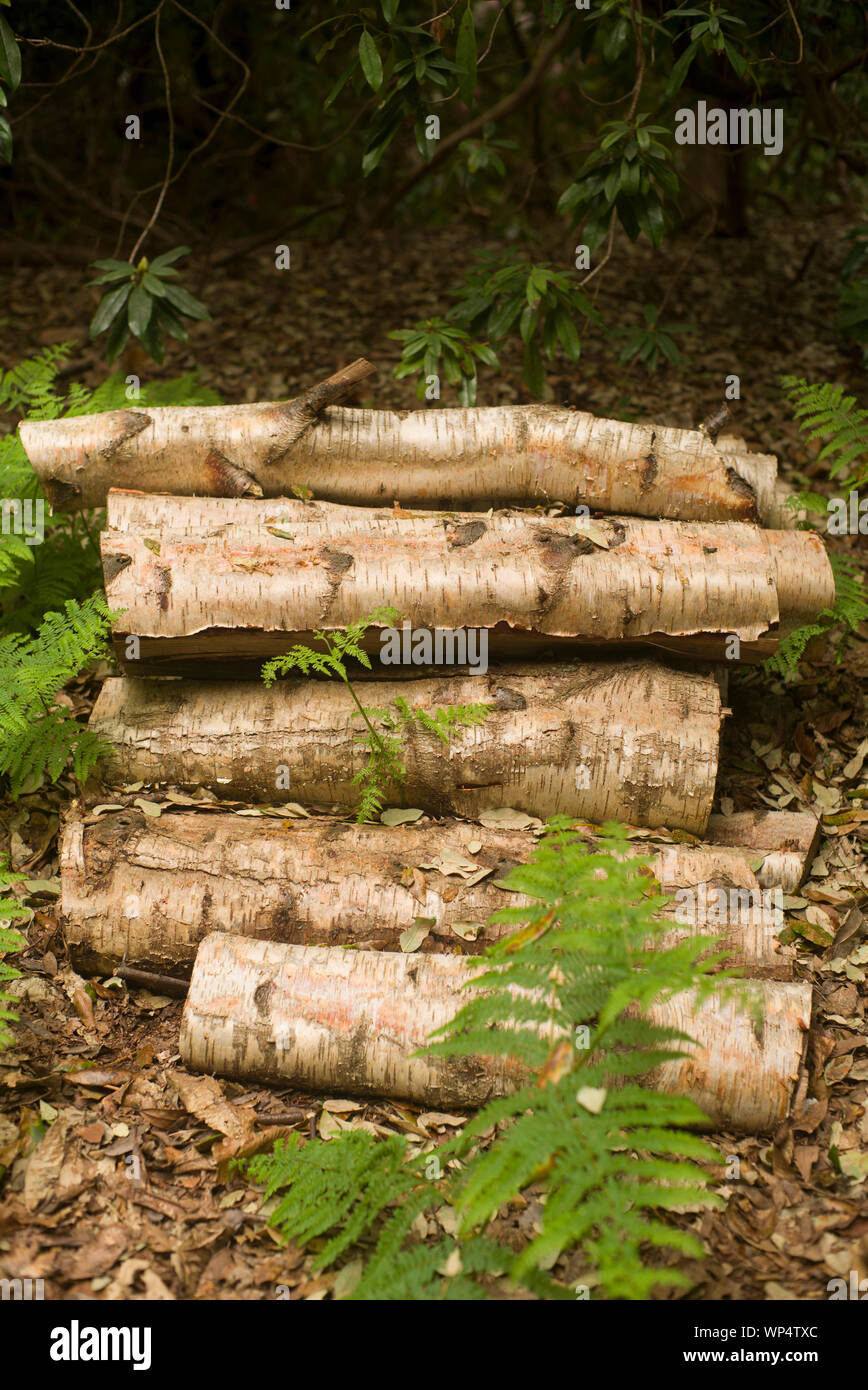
column 470, row 459
column 223, row 584
column 632, row 741
column 785, row 841
column 326, row 1019
column 147, row 890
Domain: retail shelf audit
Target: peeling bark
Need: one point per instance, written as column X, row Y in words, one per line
column 634, row 741
column 470, row 459
column 229, row 583
column 327, row 1019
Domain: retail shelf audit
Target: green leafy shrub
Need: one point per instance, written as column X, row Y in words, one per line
column 143, row 302
column 650, row 340
column 505, row 293
column 629, row 174
column 565, row 995
column 434, row 339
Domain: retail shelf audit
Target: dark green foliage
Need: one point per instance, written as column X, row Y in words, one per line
column 142, row 301
column 628, row 174
column 563, row 996
column 647, row 343
column 853, row 297
column 508, row 293
column 429, row 341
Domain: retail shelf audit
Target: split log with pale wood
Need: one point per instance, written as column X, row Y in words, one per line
column 146, row 890
column 216, row 585
column 323, row 1018
column 470, row 459
column 630, row 741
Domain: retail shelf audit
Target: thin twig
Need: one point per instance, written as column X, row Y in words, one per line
column 171, row 159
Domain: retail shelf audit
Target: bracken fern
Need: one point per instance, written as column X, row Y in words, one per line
column 566, row 995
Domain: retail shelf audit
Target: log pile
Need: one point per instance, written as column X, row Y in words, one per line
column 593, row 626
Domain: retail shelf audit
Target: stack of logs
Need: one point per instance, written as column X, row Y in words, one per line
column 610, row 637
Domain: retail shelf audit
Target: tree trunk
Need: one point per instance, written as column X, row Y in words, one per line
column 468, row 459
column 349, row 1021
column 634, row 741
column 211, row 583
column 147, row 890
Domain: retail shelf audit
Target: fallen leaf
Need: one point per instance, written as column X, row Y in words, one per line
column 399, row 816
column 412, row 938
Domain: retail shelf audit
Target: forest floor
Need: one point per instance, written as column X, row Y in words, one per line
column 117, row 1181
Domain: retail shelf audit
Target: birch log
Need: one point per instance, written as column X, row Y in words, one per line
column 325, row 1019
column 469, row 459
column 222, row 583
column 634, row 741
column 147, row 890
column 787, row 842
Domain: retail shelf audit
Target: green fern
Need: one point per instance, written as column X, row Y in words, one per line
column 10, row 941
column 825, row 413
column 612, row 1155
column 385, row 765
column 35, row 735
column 847, row 613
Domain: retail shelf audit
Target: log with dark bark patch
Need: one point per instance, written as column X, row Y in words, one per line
column 214, row 586
column 349, row 1021
column 147, row 890
column 632, row 741
column 470, row 459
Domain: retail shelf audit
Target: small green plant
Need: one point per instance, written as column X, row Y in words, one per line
column 646, row 343
column 385, row 764
column 630, row 175
column 566, row 996
column 432, row 340
column 10, row 941
column 502, row 293
column 143, row 302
